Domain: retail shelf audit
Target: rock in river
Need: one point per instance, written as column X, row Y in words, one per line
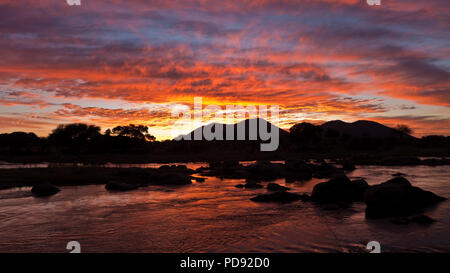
column 199, row 179
column 118, row 186
column 348, row 165
column 325, row 170
column 276, row 187
column 44, row 190
column 397, row 197
column 420, row 219
column 278, row 197
column 266, row 171
column 252, row 185
column 339, row 189
column 173, row 179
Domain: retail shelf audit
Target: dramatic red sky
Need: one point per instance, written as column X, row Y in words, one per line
column 118, row 62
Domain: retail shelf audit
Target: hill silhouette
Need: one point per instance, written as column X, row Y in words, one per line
column 245, row 125
column 361, row 128
column 358, row 129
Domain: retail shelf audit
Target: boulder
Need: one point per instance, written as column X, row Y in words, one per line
column 119, row 186
column 173, row 179
column 231, row 164
column 305, row 198
column 325, row 170
column 276, row 187
column 334, row 206
column 228, row 169
column 277, row 197
column 294, row 164
column 266, row 171
column 361, row 186
column 201, row 169
column 214, row 165
column 165, row 167
column 199, row 179
column 348, row 165
column 224, row 164
column 297, row 170
column 397, row 197
column 176, row 168
column 400, row 161
column 44, row 190
column 252, row 185
column 339, row 189
column 420, row 219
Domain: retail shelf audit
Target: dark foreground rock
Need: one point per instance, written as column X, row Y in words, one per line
column 252, row 185
column 361, row 186
column 397, row 197
column 266, row 171
column 176, row 168
column 339, row 189
column 305, row 198
column 44, row 190
column 276, row 187
column 278, row 197
column 348, row 165
column 298, row 170
column 292, row 170
column 420, row 219
column 118, row 186
column 199, row 179
column 334, row 206
column 325, row 170
column 173, row 179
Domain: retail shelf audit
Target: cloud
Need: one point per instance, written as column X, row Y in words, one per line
column 324, row 58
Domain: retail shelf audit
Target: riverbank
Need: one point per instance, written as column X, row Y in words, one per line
column 76, row 176
column 362, row 158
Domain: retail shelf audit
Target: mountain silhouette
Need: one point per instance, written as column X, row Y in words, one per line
column 246, row 124
column 361, row 128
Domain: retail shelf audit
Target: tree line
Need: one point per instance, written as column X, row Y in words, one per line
column 79, row 138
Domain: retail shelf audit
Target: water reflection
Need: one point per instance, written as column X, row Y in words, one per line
column 213, row 216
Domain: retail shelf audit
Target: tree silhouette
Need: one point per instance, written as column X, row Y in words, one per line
column 305, row 134
column 133, row 131
column 78, row 132
column 404, row 129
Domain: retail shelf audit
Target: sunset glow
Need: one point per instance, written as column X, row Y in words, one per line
column 119, row 62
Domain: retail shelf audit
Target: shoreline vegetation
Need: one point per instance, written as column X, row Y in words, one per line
column 364, row 142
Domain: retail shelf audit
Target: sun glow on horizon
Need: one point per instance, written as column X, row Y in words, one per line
column 121, row 62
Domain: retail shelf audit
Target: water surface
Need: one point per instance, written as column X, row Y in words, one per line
column 214, row 216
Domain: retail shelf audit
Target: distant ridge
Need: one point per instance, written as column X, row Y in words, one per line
column 361, row 128
column 245, row 123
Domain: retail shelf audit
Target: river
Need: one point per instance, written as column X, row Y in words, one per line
column 215, row 216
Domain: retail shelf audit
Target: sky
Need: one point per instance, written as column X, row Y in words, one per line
column 117, row 62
